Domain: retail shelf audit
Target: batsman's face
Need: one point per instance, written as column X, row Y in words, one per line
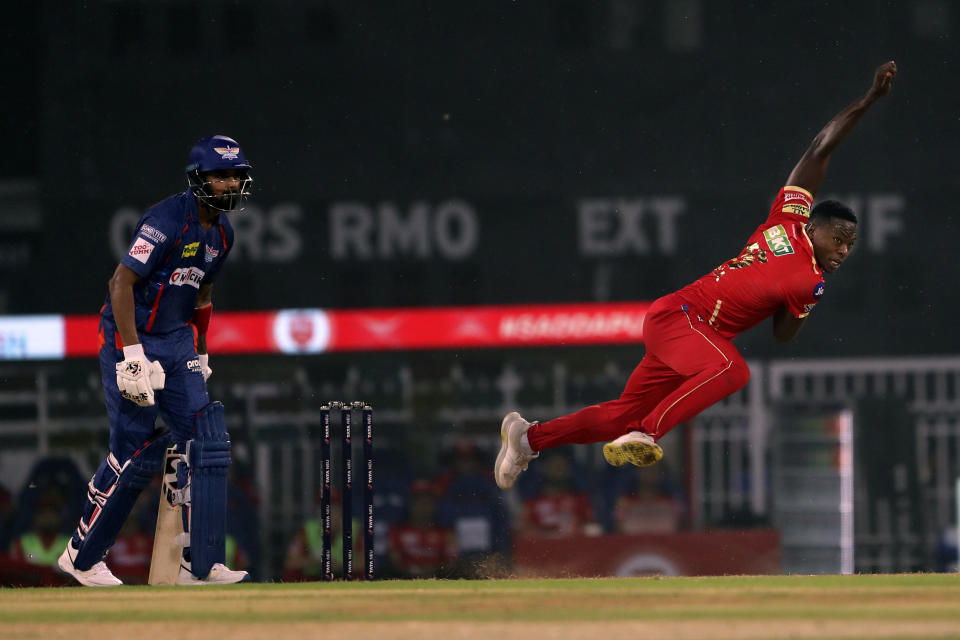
column 225, row 186
column 225, row 182
column 833, row 241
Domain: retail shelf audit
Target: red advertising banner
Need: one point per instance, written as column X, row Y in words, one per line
column 694, row 553
column 320, row 330
column 80, row 336
column 492, row 326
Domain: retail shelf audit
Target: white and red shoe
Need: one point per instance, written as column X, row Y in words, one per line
column 515, row 452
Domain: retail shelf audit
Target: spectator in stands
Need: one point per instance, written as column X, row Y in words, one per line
column 474, row 508
column 646, row 502
column 419, row 547
column 558, row 509
column 304, row 561
column 462, row 459
column 50, row 474
column 42, row 543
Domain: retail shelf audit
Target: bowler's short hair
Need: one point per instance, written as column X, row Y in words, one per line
column 832, row 209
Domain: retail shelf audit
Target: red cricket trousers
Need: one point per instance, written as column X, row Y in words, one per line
column 688, row 367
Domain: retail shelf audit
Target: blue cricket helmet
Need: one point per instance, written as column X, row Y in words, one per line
column 218, row 153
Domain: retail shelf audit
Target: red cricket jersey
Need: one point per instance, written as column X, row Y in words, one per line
column 777, row 268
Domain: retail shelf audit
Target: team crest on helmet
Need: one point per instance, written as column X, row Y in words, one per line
column 227, row 153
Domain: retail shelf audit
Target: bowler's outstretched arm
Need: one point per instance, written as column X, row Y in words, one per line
column 812, row 167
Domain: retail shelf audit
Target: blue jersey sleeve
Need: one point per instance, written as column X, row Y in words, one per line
column 152, row 242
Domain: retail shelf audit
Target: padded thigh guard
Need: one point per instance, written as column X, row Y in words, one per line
column 208, row 456
column 111, row 494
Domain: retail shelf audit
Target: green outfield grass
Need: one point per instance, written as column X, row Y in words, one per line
column 888, row 606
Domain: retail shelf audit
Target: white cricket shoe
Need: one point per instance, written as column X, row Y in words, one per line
column 99, row 575
column 219, row 574
column 515, row 452
column 635, row 447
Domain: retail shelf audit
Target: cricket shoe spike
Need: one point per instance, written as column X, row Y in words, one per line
column 99, row 575
column 219, row 574
column 636, row 447
column 515, row 452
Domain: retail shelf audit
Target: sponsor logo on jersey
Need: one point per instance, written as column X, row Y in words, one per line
column 809, row 307
column 141, row 250
column 796, row 195
column 227, row 153
column 778, row 241
column 798, row 209
column 209, row 253
column 194, row 365
column 151, row 233
column 186, row 275
column 190, row 250
column 818, row 290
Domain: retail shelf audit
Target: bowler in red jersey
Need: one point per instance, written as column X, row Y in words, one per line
column 691, row 361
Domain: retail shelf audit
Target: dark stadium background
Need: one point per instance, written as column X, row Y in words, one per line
column 522, row 113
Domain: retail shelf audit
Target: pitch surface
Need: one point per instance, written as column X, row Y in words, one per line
column 870, row 606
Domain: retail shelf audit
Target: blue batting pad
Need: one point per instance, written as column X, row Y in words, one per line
column 208, row 455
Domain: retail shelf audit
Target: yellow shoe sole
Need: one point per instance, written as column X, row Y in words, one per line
column 640, row 454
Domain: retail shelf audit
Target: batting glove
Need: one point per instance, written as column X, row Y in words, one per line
column 205, row 366
column 137, row 377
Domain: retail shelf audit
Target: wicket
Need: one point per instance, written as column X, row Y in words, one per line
column 346, row 418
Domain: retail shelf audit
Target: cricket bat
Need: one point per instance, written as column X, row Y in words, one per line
column 167, row 549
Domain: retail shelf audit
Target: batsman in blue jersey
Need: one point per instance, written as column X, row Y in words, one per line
column 151, row 365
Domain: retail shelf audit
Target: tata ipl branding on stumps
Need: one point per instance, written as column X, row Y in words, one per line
column 346, row 488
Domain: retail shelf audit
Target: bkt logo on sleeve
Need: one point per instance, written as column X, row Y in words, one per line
column 186, row 276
